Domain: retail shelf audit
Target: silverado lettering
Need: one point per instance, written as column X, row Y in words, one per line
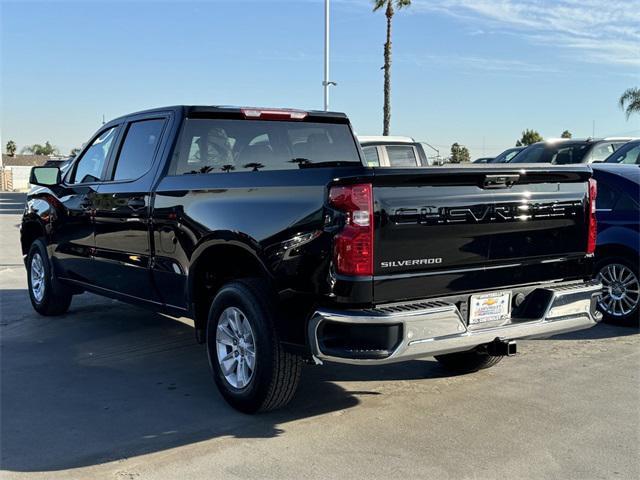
column 406, row 263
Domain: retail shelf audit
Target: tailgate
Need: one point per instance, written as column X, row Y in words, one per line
column 445, row 231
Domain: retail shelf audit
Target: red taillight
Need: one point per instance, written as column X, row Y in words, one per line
column 353, row 246
column 273, row 114
column 593, row 226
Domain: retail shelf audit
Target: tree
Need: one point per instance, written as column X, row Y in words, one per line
column 389, row 6
column 630, row 101
column 74, row 152
column 37, row 149
column 11, row 148
column 566, row 134
column 459, row 153
column 529, row 137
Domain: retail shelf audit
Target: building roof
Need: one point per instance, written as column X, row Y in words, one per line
column 24, row 160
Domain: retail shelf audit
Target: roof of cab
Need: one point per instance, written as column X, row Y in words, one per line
column 203, row 110
column 377, row 139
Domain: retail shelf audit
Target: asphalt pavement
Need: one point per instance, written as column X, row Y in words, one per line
column 111, row 391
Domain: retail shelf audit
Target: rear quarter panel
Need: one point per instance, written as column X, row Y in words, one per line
column 277, row 216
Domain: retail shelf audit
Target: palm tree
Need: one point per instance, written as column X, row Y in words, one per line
column 389, row 12
column 11, row 148
column 630, row 101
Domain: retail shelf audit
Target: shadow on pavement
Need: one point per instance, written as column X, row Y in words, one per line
column 109, row 381
column 602, row 330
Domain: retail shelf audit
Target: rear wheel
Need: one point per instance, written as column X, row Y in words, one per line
column 251, row 369
column 48, row 296
column 469, row 361
column 620, row 297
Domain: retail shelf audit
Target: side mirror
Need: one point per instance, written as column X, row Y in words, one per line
column 45, row 176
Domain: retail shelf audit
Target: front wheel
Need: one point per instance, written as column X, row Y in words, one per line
column 469, row 361
column 251, row 369
column 47, row 296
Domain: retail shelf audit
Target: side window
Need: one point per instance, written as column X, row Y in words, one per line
column 371, row 156
column 139, row 146
column 90, row 167
column 401, row 156
column 601, row 151
column 631, row 156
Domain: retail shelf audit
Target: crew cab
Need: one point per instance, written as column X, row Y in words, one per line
column 266, row 227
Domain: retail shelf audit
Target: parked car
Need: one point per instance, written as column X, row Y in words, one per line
column 393, row 151
column 568, row 151
column 268, row 229
column 628, row 154
column 618, row 244
column 507, row 155
column 483, row 160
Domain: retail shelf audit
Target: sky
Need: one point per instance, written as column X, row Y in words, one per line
column 476, row 72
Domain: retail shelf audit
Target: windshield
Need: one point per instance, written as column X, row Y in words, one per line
column 557, row 153
column 506, row 156
column 222, row 145
column 628, row 154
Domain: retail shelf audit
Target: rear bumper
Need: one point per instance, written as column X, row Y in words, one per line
column 406, row 331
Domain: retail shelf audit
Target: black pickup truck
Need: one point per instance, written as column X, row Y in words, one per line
column 265, row 227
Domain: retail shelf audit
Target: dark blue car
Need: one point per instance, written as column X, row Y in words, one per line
column 618, row 244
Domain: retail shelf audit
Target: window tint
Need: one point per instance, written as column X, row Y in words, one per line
column 558, row 154
column 138, row 148
column 531, row 154
column 371, row 156
column 567, row 155
column 91, row 165
column 401, row 156
column 218, row 145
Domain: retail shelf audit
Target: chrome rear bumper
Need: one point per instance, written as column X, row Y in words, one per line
column 431, row 328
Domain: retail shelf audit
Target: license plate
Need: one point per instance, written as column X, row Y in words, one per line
column 489, row 307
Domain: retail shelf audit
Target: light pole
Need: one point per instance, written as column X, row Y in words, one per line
column 326, row 83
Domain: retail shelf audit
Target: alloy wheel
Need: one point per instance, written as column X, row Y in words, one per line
column 235, row 347
column 37, row 277
column 621, row 292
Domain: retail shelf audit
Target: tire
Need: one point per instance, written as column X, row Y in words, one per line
column 241, row 321
column 469, row 361
column 620, row 301
column 48, row 296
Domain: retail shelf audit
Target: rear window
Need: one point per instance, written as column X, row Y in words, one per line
column 401, row 156
column 222, row 145
column 371, row 156
column 560, row 154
